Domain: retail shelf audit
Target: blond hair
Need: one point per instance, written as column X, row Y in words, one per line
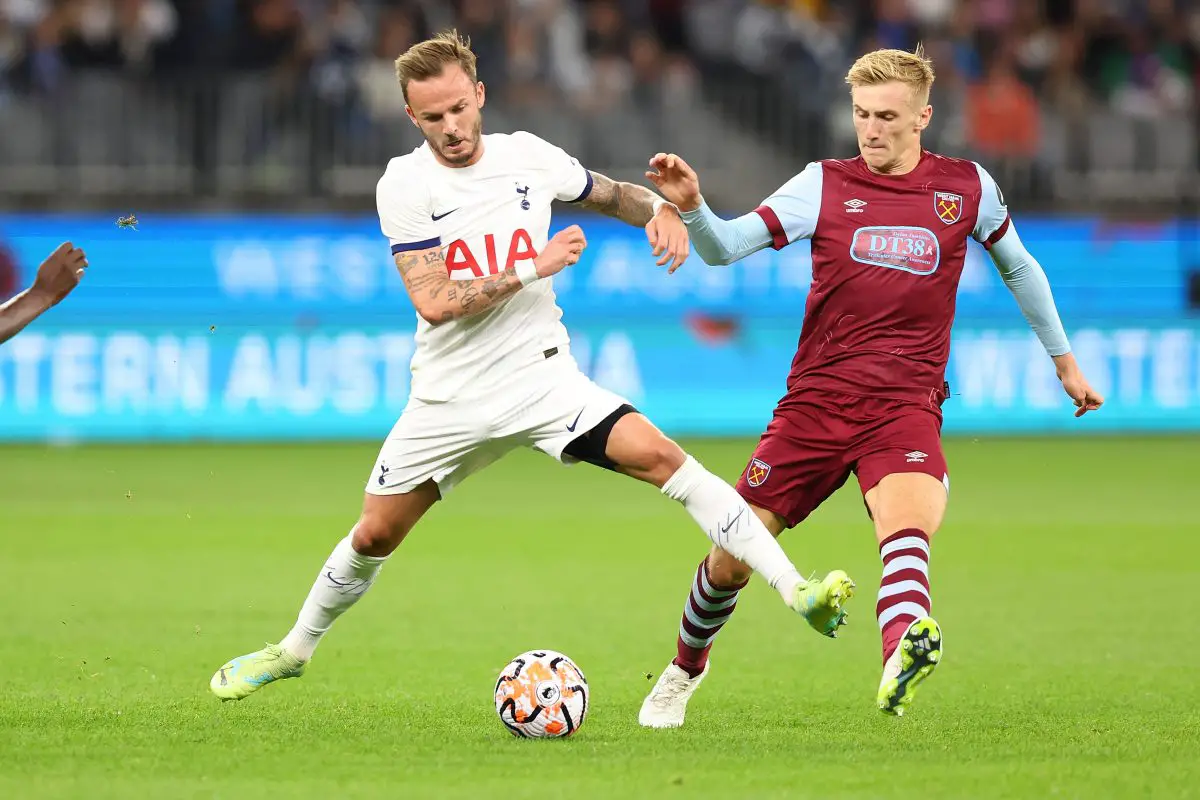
column 885, row 66
column 427, row 59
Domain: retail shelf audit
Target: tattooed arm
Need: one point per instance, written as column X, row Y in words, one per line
column 439, row 300
column 627, row 202
column 637, row 205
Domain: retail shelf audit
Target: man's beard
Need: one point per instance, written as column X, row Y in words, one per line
column 467, row 153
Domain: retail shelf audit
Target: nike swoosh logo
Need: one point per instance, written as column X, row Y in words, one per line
column 571, row 427
column 436, row 217
column 725, row 528
column 336, row 582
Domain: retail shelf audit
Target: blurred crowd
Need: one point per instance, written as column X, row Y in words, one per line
column 593, row 54
column 1007, row 69
column 1000, row 63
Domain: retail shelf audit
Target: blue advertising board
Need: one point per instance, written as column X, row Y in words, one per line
column 226, row 327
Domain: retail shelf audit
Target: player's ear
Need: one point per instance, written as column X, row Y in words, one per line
column 925, row 116
column 413, row 117
column 479, row 93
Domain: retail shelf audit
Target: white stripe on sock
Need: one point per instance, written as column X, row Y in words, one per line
column 906, row 562
column 907, row 543
column 910, row 609
column 707, row 606
column 713, row 591
column 691, row 641
column 700, row 622
column 901, row 587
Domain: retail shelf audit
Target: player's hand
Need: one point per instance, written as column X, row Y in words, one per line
column 1076, row 386
column 59, row 273
column 668, row 238
column 563, row 250
column 676, row 180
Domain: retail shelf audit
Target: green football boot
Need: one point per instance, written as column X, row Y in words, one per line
column 820, row 602
column 913, row 660
column 246, row 674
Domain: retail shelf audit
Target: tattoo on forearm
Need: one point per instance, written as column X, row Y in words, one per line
column 469, row 296
column 425, row 278
column 627, row 202
column 405, row 262
column 493, row 286
column 449, row 299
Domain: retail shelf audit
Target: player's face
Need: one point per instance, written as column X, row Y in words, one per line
column 447, row 109
column 888, row 119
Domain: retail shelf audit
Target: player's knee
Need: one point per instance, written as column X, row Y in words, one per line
column 377, row 536
column 925, row 519
column 725, row 571
column 664, row 457
column 907, row 501
column 655, row 459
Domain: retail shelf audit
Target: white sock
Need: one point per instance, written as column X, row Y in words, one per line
column 728, row 521
column 345, row 577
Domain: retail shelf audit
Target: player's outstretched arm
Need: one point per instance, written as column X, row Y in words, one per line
column 439, row 300
column 719, row 242
column 637, row 205
column 1027, row 281
column 628, row 202
column 56, row 277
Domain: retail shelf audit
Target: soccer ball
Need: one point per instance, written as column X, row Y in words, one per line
column 542, row 694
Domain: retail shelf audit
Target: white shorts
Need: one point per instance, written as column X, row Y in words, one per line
column 545, row 406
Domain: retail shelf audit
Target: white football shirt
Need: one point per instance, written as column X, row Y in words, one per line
column 486, row 218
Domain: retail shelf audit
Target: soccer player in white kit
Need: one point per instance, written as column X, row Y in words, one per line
column 468, row 217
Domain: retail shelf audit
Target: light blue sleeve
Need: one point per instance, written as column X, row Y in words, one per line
column 787, row 215
column 720, row 242
column 791, row 213
column 993, row 212
column 1026, row 279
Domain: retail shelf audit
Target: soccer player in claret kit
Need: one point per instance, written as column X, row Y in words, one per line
column 468, row 216
column 889, row 236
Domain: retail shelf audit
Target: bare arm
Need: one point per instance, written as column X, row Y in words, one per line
column 20, row 311
column 56, row 277
column 439, row 300
column 627, row 202
column 637, row 205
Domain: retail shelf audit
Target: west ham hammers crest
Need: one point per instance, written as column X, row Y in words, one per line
column 948, row 207
column 757, row 472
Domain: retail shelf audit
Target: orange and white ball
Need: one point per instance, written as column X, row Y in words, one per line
column 542, row 694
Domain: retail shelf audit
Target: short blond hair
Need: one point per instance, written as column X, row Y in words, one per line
column 427, row 59
column 885, row 66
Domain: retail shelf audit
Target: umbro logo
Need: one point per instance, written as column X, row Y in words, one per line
column 854, row 206
column 916, row 456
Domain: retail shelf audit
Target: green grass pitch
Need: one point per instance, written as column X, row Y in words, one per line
column 1066, row 578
